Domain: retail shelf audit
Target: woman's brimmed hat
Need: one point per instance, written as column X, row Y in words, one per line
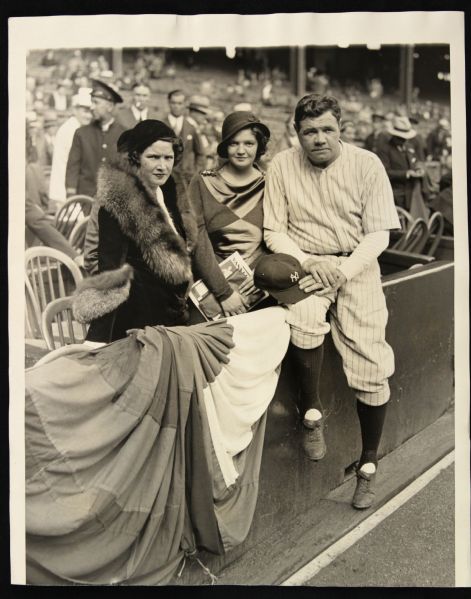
column 235, row 122
column 401, row 127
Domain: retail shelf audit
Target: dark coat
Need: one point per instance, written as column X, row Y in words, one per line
column 126, row 117
column 193, row 152
column 397, row 163
column 133, row 229
column 91, row 147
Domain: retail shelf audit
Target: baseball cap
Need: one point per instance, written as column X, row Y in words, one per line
column 279, row 275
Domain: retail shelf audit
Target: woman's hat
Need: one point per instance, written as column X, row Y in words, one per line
column 235, row 122
column 144, row 134
column 401, row 127
column 279, row 275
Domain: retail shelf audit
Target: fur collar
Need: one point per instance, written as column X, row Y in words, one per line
column 133, row 204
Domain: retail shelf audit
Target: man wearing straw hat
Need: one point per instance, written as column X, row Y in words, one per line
column 401, row 160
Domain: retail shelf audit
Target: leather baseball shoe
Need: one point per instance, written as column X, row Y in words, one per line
column 364, row 495
column 313, row 439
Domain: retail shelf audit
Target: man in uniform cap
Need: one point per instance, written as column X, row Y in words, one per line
column 94, row 144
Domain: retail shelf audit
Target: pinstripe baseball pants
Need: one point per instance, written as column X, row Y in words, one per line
column 358, row 317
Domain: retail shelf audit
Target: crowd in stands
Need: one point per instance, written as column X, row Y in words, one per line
column 414, row 144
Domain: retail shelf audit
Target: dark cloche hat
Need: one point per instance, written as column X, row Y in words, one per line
column 279, row 274
column 144, row 134
column 105, row 91
column 235, row 122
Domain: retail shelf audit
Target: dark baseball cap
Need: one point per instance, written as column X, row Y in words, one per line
column 279, row 275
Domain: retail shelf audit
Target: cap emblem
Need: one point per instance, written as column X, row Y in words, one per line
column 294, row 276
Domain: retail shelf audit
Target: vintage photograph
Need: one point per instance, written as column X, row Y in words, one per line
column 237, row 347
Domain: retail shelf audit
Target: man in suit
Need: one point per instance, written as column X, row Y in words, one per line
column 139, row 109
column 94, row 144
column 402, row 161
column 194, row 155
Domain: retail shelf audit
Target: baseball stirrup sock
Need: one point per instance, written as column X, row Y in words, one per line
column 371, row 424
column 308, row 366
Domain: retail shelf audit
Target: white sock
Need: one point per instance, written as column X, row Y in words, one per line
column 368, row 468
column 313, row 414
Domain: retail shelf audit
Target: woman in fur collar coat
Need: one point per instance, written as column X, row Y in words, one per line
column 145, row 222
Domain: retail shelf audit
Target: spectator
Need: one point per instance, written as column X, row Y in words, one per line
column 93, row 144
column 439, row 140
column 348, row 132
column 192, row 144
column 38, row 225
column 401, row 161
column 199, row 110
column 60, row 98
column 378, row 136
column 81, row 116
column 139, row 109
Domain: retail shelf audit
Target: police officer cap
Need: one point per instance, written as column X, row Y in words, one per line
column 102, row 90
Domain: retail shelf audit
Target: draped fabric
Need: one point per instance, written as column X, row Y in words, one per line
column 125, row 471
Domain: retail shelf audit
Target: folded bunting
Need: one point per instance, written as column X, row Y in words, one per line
column 147, row 449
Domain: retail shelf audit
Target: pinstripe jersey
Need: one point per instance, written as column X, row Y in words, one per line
column 328, row 210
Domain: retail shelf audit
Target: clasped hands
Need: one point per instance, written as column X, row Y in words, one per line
column 323, row 277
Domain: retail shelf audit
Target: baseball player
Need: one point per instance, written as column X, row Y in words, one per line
column 330, row 205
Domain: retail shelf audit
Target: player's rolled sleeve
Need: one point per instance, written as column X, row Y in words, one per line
column 379, row 210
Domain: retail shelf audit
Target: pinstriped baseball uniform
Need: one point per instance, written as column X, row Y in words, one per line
column 327, row 211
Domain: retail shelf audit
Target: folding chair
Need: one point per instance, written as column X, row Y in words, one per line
column 72, row 212
column 59, row 326
column 51, row 274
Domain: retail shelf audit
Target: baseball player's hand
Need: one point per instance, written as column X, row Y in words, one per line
column 321, row 275
column 341, row 279
column 233, row 305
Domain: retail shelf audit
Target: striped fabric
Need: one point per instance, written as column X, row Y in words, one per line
column 326, row 211
column 143, row 450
